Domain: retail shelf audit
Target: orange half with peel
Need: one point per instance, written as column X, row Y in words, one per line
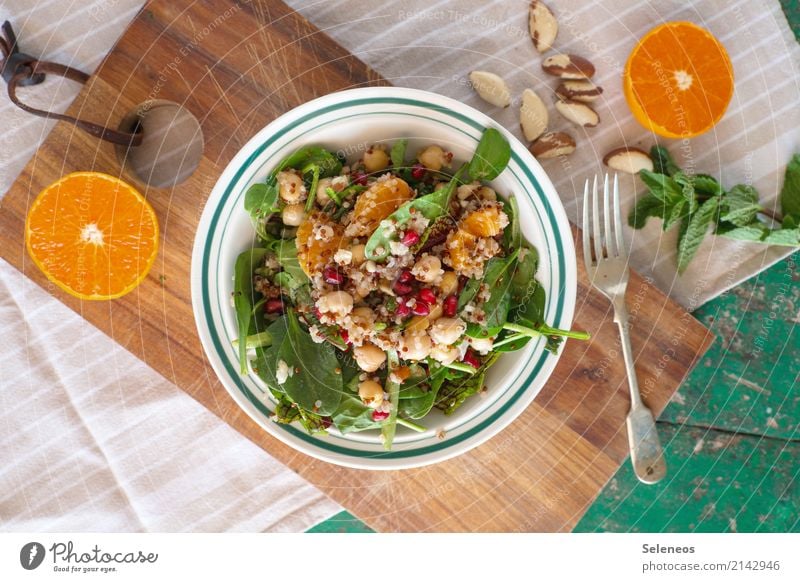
column 678, row 80
column 93, row 235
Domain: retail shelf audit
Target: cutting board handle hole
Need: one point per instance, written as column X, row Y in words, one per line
column 172, row 145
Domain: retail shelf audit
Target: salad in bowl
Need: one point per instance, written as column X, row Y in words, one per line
column 383, row 289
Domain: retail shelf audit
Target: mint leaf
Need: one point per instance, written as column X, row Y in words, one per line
column 646, row 207
column 753, row 232
column 687, row 188
column 662, row 161
column 785, row 237
column 695, row 232
column 662, row 187
column 741, row 205
column 677, row 212
column 790, row 193
column 708, row 185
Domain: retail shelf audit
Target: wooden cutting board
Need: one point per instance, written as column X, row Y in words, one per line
column 237, row 67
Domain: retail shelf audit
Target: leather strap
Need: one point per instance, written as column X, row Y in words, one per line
column 20, row 69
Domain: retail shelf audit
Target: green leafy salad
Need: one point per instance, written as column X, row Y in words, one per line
column 380, row 290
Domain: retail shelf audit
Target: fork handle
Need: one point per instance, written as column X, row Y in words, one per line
column 647, row 457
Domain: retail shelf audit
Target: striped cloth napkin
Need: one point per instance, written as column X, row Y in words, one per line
column 434, row 46
column 92, row 438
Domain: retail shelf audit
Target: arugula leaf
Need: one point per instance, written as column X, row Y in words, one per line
column 662, row 161
column 244, row 298
column 790, row 193
column 431, row 206
column 741, row 205
column 287, row 412
column 398, row 153
column 490, row 157
column 644, row 208
column 313, row 384
column 458, row 387
column 696, row 229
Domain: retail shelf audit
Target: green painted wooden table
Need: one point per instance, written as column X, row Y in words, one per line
column 732, row 431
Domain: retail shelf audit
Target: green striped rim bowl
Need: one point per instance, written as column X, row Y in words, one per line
column 349, row 121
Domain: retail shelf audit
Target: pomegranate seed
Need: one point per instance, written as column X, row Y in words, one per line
column 402, row 310
column 410, row 238
column 327, row 421
column 332, row 275
column 421, row 308
column 471, row 358
column 345, row 336
column 462, row 281
column 378, row 415
column 427, row 295
column 402, row 288
column 274, row 306
column 360, row 178
column 405, row 276
column 317, row 312
column 418, row 171
column 450, row 306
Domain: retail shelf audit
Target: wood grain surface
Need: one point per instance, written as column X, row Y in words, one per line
column 237, row 67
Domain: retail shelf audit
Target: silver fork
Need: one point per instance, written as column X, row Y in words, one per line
column 608, row 272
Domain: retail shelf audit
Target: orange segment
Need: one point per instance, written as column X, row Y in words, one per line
column 93, row 235
column 483, row 222
column 377, row 203
column 678, row 80
column 318, row 239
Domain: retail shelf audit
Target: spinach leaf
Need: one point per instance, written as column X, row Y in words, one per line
column 244, row 298
column 420, row 406
column 695, row 232
column 287, row 412
column 261, row 200
column 431, row 206
column 741, row 206
column 398, row 153
column 498, row 277
column 524, row 273
column 790, row 193
column 266, row 361
column 352, row 415
column 305, row 159
column 490, row 157
column 512, row 236
column 313, row 383
column 662, row 161
column 389, row 426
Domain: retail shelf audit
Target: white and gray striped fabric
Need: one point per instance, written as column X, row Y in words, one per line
column 93, row 440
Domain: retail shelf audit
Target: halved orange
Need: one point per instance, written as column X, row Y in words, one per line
column 93, row 235
column 678, row 80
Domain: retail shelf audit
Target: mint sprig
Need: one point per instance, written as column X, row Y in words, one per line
column 698, row 202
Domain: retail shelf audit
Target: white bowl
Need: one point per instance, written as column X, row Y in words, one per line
column 348, row 121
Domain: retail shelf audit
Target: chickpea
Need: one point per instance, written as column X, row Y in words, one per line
column 337, row 303
column 449, row 283
column 416, row 346
column 293, row 214
column 376, row 159
column 486, row 193
column 420, row 323
column 445, row 354
column 369, row 357
column 291, row 187
column 482, row 344
column 427, row 269
column 363, row 316
column 447, row 330
column 371, row 393
column 322, row 191
column 433, row 157
column 358, row 254
column 467, row 190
